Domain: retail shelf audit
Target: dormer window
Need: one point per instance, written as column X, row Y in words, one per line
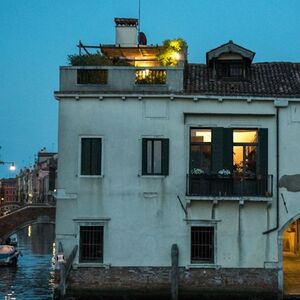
column 235, row 70
column 229, row 62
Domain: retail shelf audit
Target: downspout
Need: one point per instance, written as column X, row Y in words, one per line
column 277, row 172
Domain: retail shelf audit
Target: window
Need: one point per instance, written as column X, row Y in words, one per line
column 229, row 162
column 245, row 152
column 91, row 244
column 155, row 156
column 230, row 69
column 202, row 244
column 200, row 151
column 88, row 76
column 91, row 151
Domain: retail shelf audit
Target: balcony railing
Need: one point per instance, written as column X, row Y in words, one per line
column 121, row 79
column 229, row 186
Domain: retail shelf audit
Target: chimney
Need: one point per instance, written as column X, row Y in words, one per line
column 126, row 32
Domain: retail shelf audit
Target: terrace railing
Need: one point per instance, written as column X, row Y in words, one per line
column 229, row 186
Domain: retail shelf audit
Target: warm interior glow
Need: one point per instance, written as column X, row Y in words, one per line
column 29, row 231
column 201, row 135
column 245, row 136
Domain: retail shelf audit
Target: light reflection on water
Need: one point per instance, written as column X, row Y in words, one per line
column 33, row 279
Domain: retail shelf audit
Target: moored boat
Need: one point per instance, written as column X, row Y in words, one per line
column 8, row 255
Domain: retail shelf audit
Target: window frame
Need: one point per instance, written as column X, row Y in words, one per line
column 78, row 222
column 101, row 158
column 164, row 170
column 82, row 261
column 244, row 145
column 199, row 143
column 202, row 223
column 211, row 259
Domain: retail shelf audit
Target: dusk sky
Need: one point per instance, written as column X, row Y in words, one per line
column 38, row 35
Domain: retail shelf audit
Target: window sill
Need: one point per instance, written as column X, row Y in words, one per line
column 153, row 176
column 203, row 266
column 91, row 265
column 90, row 176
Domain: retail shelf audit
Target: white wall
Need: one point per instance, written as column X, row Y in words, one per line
column 143, row 226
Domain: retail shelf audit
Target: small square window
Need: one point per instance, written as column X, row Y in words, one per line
column 202, row 244
column 91, row 244
column 91, row 151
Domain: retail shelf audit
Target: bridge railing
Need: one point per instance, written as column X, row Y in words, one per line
column 65, row 266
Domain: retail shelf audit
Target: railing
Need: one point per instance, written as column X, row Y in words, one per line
column 64, row 270
column 146, row 76
column 229, row 186
column 91, row 76
column 114, row 78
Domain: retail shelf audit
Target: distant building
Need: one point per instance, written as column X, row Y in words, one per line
column 37, row 184
column 8, row 191
column 204, row 156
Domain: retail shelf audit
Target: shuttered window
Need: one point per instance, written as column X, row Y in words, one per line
column 91, row 151
column 155, row 156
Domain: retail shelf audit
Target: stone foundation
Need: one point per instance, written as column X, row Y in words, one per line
column 154, row 283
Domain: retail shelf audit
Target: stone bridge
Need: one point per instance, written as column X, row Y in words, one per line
column 24, row 216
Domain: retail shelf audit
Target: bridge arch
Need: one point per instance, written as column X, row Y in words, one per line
column 285, row 262
column 25, row 216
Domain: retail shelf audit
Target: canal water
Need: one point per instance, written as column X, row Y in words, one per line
column 33, row 278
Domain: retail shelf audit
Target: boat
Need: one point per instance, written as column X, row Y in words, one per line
column 8, row 255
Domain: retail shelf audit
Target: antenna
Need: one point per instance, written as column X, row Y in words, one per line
column 139, row 25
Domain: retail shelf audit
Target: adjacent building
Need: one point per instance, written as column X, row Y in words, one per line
column 204, row 156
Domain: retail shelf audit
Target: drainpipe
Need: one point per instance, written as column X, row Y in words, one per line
column 278, row 104
column 277, row 173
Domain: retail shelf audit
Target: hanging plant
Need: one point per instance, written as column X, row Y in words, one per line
column 171, row 52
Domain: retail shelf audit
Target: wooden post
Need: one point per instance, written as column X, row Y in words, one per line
column 62, row 274
column 174, row 272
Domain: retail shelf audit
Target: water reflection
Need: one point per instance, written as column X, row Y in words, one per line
column 34, row 276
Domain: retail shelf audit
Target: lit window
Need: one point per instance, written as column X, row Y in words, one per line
column 245, row 152
column 200, row 151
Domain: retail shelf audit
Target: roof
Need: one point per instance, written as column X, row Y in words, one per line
column 266, row 79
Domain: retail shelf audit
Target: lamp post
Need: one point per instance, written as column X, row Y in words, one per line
column 11, row 164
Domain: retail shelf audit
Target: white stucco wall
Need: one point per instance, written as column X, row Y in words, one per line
column 142, row 215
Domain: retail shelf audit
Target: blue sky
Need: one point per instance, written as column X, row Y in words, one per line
column 37, row 35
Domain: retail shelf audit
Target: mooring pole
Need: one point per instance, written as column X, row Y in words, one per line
column 174, row 272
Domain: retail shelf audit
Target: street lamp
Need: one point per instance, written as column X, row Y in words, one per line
column 11, row 164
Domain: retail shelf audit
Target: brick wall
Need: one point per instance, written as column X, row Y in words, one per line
column 155, row 281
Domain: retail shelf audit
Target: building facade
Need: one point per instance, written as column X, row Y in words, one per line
column 204, row 156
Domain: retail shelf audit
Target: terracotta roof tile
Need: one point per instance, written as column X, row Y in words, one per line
column 265, row 79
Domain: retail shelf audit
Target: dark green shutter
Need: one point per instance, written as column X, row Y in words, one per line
column 95, row 156
column 85, row 156
column 221, row 149
column 227, row 149
column 165, row 157
column 263, row 152
column 217, row 149
column 144, row 156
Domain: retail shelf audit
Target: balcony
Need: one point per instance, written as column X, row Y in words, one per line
column 95, row 79
column 229, row 186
